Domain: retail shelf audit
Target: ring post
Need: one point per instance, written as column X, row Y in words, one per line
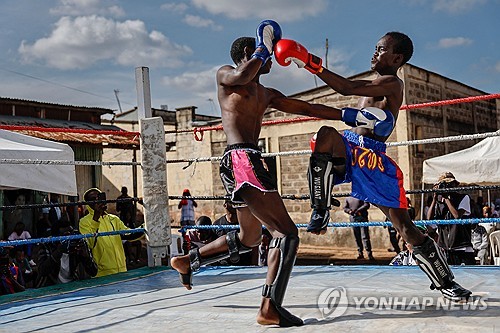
column 154, row 172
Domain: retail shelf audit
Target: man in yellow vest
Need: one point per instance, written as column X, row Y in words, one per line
column 108, row 251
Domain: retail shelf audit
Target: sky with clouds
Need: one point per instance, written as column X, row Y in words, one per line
column 79, row 52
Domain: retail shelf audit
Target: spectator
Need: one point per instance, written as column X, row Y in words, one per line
column 406, row 257
column 65, row 261
column 427, row 205
column 107, row 251
column 229, row 218
column 480, row 243
column 486, row 211
column 201, row 237
column 17, row 215
column 358, row 212
column 43, row 228
column 19, row 233
column 496, row 208
column 126, row 208
column 455, row 239
column 25, row 268
column 54, row 214
column 492, row 226
column 10, row 280
column 42, row 225
column 187, row 209
column 495, row 212
column 475, row 208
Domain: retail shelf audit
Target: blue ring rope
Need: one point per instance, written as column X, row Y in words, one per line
column 358, row 224
column 237, row 227
column 68, row 237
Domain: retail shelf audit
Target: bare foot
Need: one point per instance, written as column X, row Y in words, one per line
column 267, row 313
column 181, row 264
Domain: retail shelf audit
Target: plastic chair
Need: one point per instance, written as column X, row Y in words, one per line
column 495, row 247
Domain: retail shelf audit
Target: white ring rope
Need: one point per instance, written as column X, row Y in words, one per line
column 462, row 137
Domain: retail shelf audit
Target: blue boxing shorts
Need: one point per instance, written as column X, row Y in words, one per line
column 375, row 177
column 241, row 166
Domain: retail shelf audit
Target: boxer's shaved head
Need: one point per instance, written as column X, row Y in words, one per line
column 238, row 48
column 402, row 45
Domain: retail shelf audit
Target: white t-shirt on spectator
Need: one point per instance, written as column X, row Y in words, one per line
column 23, row 235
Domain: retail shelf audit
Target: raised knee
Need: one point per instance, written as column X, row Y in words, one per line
column 250, row 242
column 325, row 131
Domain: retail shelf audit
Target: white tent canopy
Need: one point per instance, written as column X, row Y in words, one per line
column 41, row 177
column 479, row 164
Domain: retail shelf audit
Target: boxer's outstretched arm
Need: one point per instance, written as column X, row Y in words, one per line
column 296, row 106
column 386, row 85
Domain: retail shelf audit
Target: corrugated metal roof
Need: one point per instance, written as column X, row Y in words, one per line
column 54, row 105
column 50, row 123
column 95, row 139
column 107, row 139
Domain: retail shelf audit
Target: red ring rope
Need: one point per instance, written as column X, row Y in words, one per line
column 198, row 131
column 404, row 107
column 67, row 130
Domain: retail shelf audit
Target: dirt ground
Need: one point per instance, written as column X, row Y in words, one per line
column 323, row 255
column 316, row 255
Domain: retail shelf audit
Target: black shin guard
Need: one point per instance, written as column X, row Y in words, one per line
column 234, row 249
column 287, row 246
column 320, row 174
column 431, row 260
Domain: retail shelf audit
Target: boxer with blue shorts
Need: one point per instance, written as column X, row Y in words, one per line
column 359, row 156
column 375, row 177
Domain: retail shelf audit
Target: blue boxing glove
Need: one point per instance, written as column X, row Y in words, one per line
column 380, row 121
column 268, row 34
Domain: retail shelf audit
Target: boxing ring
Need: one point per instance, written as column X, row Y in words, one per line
column 225, row 299
column 343, row 298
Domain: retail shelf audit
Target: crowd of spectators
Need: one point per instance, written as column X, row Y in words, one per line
column 49, row 263
column 462, row 244
column 45, row 264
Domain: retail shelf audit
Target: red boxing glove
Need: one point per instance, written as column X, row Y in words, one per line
column 287, row 50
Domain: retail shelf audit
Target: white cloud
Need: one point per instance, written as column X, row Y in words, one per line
column 77, row 43
column 280, row 10
column 445, row 43
column 86, row 7
column 202, row 83
column 199, row 22
column 456, row 6
column 174, row 7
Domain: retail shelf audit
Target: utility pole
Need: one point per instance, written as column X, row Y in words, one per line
column 326, row 54
column 212, row 105
column 118, row 100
